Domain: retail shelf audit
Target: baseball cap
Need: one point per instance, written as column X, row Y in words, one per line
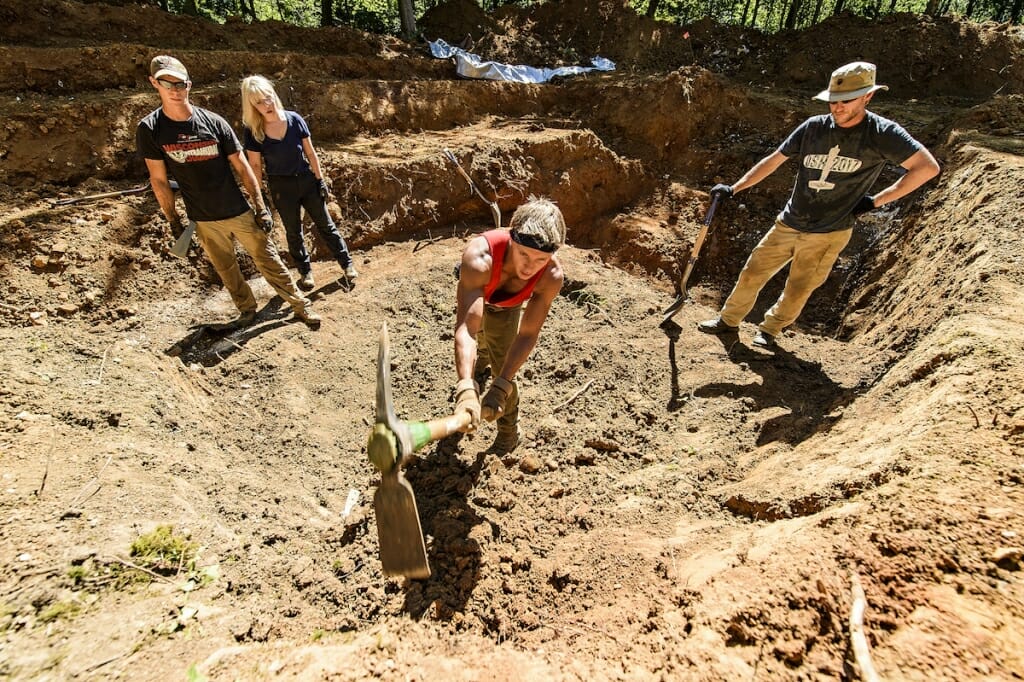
column 165, row 65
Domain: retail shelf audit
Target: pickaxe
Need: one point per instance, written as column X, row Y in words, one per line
column 495, row 211
column 104, row 195
column 402, row 550
column 697, row 243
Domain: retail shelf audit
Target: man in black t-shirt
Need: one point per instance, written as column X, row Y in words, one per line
column 200, row 149
column 841, row 154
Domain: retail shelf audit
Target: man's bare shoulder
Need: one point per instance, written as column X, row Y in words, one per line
column 477, row 256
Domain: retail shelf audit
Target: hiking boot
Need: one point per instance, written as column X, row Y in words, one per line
column 716, row 326
column 350, row 271
column 506, row 440
column 764, row 339
column 308, row 316
column 306, row 282
column 244, row 319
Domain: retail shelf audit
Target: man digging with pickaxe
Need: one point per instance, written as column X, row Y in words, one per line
column 507, row 282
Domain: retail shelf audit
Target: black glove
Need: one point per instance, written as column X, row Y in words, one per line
column 721, row 191
column 325, row 191
column 866, row 203
column 176, row 227
column 264, row 220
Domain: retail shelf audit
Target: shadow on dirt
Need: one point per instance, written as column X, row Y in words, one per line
column 802, row 387
column 211, row 344
column 444, row 482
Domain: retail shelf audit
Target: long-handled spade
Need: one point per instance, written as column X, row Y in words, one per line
column 697, row 243
column 495, row 211
column 402, row 550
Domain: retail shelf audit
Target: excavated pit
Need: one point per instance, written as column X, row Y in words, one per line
column 681, row 507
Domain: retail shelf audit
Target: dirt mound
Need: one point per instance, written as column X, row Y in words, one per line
column 563, row 33
column 917, row 56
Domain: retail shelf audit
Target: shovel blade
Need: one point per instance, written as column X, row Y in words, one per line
column 402, row 551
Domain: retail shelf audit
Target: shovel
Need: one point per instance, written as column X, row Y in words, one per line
column 495, row 211
column 402, row 550
column 697, row 243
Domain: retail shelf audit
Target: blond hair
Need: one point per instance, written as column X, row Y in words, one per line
column 255, row 89
column 541, row 219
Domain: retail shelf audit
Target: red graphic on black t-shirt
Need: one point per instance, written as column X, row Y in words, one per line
column 193, row 151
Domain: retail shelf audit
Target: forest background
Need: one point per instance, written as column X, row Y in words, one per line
column 770, row 16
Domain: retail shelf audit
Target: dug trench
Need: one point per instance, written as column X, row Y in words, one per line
column 682, row 507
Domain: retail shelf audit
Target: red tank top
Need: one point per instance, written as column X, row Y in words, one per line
column 498, row 241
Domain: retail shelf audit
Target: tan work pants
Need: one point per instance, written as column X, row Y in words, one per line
column 497, row 332
column 812, row 255
column 215, row 236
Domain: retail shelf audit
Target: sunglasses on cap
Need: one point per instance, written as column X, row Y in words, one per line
column 173, row 85
column 531, row 241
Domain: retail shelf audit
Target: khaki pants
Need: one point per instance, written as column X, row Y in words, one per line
column 497, row 332
column 215, row 236
column 812, row 255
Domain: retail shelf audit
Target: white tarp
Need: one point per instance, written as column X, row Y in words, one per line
column 469, row 65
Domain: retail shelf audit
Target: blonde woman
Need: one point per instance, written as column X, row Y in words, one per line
column 280, row 141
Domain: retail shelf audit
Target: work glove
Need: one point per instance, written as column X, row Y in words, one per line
column 325, row 191
column 467, row 399
column 866, row 203
column 494, row 400
column 721, row 191
column 176, row 226
column 264, row 220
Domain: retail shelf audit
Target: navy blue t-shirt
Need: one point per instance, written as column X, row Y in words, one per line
column 284, row 156
column 196, row 152
column 838, row 166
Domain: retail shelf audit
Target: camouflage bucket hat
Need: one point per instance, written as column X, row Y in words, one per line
column 849, row 82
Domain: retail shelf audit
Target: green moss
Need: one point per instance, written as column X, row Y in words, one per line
column 58, row 610
column 164, row 551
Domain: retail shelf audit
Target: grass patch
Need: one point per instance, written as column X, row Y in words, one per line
column 165, row 552
column 58, row 610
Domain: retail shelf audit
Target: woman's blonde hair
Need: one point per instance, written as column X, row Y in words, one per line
column 255, row 89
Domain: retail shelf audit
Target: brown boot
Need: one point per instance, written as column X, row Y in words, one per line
column 506, row 441
column 308, row 316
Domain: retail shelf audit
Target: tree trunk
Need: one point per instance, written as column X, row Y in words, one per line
column 794, row 10
column 932, row 8
column 817, row 12
column 652, row 8
column 838, row 9
column 326, row 13
column 746, row 8
column 248, row 9
column 190, row 8
column 892, row 6
column 407, row 17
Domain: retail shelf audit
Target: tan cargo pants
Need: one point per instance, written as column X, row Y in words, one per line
column 497, row 332
column 812, row 255
column 215, row 237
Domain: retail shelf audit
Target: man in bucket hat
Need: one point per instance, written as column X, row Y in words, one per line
column 200, row 150
column 840, row 155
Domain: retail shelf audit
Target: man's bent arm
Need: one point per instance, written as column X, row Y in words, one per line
column 469, row 304
column 921, row 167
column 760, row 170
column 162, row 188
column 533, row 319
